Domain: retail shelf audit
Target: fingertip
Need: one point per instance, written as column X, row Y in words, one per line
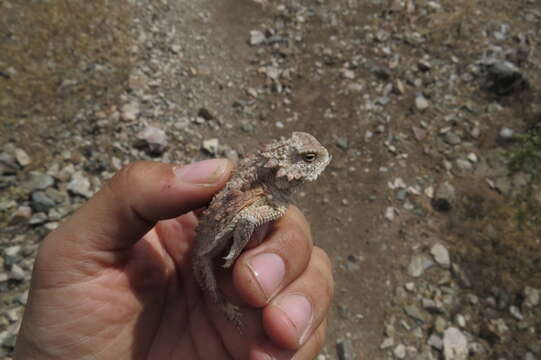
column 280, row 328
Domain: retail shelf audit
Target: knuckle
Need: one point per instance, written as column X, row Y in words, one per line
column 293, row 238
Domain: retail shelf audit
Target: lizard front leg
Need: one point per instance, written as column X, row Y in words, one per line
column 249, row 220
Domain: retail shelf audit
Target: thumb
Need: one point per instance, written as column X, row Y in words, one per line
column 137, row 197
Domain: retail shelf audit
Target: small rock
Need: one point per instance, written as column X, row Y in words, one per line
column 506, row 133
column 130, row 111
column 421, row 103
column 455, row 344
column 418, row 264
column 22, row 157
column 399, row 87
column 387, row 343
column 12, row 251
column 39, row 181
column 348, row 74
column 9, row 341
column 41, row 202
column 515, row 312
column 503, row 77
column 415, row 313
column 342, row 142
column 464, row 165
column 152, row 140
column 205, row 114
column 211, row 146
column 175, row 48
column 390, row 213
column 435, row 341
column 344, row 349
column 460, row 320
column 21, row 215
column 399, row 351
column 441, row 255
column 256, row 38
column 419, row 133
column 451, row 138
column 531, row 297
column 37, row 219
column 16, row 273
column 8, row 164
column 80, row 185
column 445, row 197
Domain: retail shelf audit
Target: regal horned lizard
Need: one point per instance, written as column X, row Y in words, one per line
column 258, row 192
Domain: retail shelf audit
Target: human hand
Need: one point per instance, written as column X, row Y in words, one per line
column 114, row 281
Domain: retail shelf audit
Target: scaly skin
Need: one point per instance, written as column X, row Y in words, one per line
column 258, row 192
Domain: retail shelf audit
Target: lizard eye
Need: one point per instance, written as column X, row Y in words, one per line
column 309, row 157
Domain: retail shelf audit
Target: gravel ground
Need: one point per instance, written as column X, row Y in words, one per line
column 431, row 109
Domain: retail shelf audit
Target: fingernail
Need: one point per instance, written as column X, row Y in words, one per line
column 205, row 172
column 299, row 311
column 269, row 270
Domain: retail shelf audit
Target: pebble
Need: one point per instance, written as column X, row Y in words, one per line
column 342, row 142
column 152, row 140
column 390, row 213
column 211, row 146
column 387, row 343
column 464, row 165
column 37, row 219
column 344, row 349
column 42, row 202
column 418, row 264
column 21, row 215
column 80, row 185
column 39, row 181
column 506, row 133
column 531, row 297
column 455, row 344
column 515, row 312
column 441, row 255
column 256, row 37
column 16, row 273
column 399, row 351
column 444, row 197
column 22, row 157
column 415, row 313
column 12, row 251
column 130, row 111
column 451, row 138
column 421, row 103
column 435, row 341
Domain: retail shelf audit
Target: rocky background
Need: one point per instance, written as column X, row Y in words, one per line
column 431, row 109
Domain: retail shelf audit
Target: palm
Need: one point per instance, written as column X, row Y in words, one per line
column 143, row 303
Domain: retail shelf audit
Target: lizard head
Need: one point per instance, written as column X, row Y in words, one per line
column 298, row 159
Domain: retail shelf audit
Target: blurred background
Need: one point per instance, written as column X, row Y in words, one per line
column 431, row 109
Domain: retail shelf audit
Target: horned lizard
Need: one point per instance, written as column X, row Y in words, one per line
column 259, row 191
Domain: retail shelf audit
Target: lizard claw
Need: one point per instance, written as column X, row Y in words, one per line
column 228, row 262
column 233, row 314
